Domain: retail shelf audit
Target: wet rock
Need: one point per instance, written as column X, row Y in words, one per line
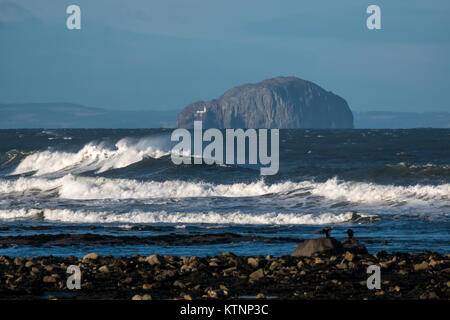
column 322, row 245
column 354, row 246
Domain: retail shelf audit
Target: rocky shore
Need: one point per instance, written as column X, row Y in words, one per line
column 341, row 276
column 171, row 239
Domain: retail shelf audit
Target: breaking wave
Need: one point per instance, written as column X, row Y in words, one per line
column 90, row 188
column 94, row 156
column 136, row 216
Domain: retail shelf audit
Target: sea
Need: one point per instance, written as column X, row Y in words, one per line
column 391, row 187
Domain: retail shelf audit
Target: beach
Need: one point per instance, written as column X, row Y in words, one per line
column 227, row 276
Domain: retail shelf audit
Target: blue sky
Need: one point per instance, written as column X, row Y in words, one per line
column 165, row 54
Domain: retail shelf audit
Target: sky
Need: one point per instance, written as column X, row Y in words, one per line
column 166, row 54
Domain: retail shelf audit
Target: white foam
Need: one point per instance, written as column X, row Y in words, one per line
column 82, row 216
column 94, row 157
column 76, row 187
column 90, row 188
column 361, row 192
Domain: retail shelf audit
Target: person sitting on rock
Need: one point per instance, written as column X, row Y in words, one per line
column 350, row 233
column 352, row 245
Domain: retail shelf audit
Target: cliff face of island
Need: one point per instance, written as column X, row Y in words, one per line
column 282, row 102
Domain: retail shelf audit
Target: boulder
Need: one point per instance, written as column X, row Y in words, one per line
column 322, row 245
column 354, row 246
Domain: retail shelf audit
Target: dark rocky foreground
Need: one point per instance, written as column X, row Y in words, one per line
column 403, row 276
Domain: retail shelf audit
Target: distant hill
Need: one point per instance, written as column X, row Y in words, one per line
column 401, row 120
column 68, row 115
column 282, row 102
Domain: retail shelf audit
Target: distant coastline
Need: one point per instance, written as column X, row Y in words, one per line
column 68, row 115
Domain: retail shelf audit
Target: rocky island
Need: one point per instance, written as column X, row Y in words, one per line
column 282, row 102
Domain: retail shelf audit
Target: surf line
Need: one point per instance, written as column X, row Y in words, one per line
column 235, row 153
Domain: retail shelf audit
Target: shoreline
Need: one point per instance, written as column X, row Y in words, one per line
column 407, row 276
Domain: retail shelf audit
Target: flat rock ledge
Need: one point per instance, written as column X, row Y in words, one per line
column 321, row 245
column 333, row 276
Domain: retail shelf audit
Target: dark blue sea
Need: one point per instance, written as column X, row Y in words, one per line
column 392, row 187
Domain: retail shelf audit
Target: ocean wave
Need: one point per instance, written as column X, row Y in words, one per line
column 136, row 216
column 94, row 156
column 12, row 157
column 88, row 188
column 415, row 169
column 361, row 192
column 91, row 188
